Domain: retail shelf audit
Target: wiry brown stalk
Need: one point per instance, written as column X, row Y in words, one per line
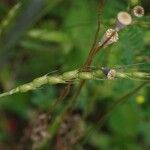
column 92, row 51
column 88, row 62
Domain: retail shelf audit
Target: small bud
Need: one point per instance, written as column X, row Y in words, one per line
column 138, row 11
column 123, row 19
column 140, row 99
column 108, row 34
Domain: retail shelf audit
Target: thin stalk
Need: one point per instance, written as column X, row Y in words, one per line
column 66, row 91
column 95, row 48
column 88, row 63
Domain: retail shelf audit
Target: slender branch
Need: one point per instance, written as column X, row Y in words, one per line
column 94, row 48
column 66, row 91
column 88, row 63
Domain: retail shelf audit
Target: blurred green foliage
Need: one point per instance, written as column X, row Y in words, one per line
column 41, row 36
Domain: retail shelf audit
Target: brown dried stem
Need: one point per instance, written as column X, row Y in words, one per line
column 88, row 62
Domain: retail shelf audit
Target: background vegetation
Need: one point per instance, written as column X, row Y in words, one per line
column 40, row 36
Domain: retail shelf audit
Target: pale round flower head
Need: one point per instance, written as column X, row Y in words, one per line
column 138, row 11
column 124, row 18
